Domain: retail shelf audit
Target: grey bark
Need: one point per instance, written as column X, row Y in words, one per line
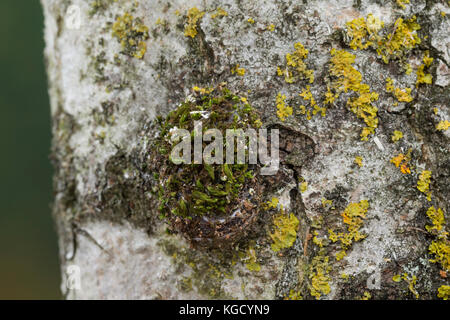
column 104, row 103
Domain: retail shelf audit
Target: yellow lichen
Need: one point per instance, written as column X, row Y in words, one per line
column 397, row 278
column 293, row 295
column 251, row 260
column 285, row 231
column 319, row 270
column 348, row 78
column 296, row 68
column 358, row 160
column 283, row 110
column 408, row 68
column 422, row 76
column 353, row 217
column 403, row 37
column 307, row 95
column 272, row 204
column 326, row 202
column 444, row 292
column 364, row 32
column 219, row 13
column 427, row 60
column 441, row 250
column 423, row 184
column 203, row 90
column 402, row 95
column 437, row 218
column 411, row 282
column 443, row 125
column 251, row 20
column 330, row 97
column 366, row 296
column 397, row 135
column 131, row 34
column 194, row 15
column 303, row 186
column 401, row 3
column 271, row 27
column 238, row 70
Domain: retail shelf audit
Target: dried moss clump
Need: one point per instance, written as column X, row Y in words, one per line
column 210, row 204
column 131, row 34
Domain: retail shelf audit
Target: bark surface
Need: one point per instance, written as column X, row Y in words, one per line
column 106, row 92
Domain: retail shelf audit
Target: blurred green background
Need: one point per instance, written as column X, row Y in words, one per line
column 28, row 246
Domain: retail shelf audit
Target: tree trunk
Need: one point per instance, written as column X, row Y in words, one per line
column 109, row 79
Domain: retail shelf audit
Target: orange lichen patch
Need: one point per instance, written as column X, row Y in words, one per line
column 402, row 161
